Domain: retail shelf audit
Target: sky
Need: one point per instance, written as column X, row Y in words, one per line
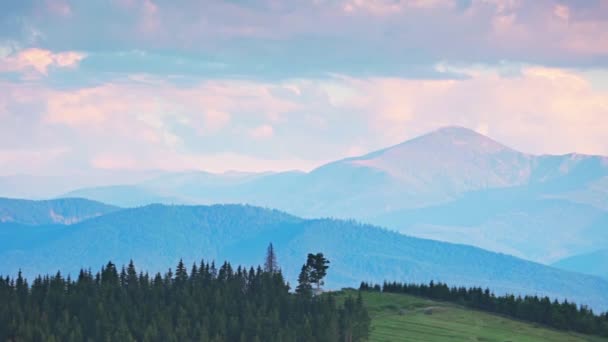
column 257, row 85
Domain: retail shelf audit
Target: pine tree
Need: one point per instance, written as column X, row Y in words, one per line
column 270, row 264
column 318, row 266
column 181, row 274
column 304, row 287
column 205, row 304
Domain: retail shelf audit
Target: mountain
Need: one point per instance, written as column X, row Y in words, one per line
column 126, row 195
column 46, row 186
column 452, row 184
column 509, row 221
column 58, row 211
column 429, row 170
column 157, row 236
column 176, row 188
column 594, row 263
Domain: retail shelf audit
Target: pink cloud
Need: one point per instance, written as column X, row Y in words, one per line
column 89, row 106
column 36, row 61
column 518, row 110
column 215, row 120
column 562, row 12
column 114, row 162
column 17, row 160
column 140, row 112
column 390, row 7
column 547, row 29
column 137, row 125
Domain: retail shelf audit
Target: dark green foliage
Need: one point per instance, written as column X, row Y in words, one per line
column 271, row 264
column 304, row 287
column 313, row 272
column 205, row 304
column 317, row 265
column 354, row 320
column 560, row 315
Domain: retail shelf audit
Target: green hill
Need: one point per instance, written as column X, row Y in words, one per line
column 397, row 317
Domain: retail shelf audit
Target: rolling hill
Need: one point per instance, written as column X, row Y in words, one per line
column 157, row 236
column 404, row 318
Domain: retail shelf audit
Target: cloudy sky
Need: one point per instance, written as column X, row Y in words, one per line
column 274, row 85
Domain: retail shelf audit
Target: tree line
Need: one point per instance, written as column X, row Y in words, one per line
column 205, row 303
column 559, row 315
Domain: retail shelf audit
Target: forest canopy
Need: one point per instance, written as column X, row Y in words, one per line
column 204, row 303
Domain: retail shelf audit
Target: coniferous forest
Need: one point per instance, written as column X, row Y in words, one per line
column 559, row 315
column 203, row 303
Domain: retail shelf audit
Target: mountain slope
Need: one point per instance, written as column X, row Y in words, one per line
column 594, row 263
column 57, row 211
column 157, row 236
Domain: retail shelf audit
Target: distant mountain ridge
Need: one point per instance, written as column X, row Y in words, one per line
column 57, row 211
column 428, row 170
column 594, row 263
column 452, row 167
column 157, row 236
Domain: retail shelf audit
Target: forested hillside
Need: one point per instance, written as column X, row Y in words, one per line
column 158, row 236
column 205, row 303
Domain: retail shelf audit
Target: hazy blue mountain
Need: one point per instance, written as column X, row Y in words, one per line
column 57, row 211
column 157, row 236
column 47, row 186
column 543, row 229
column 594, row 263
column 432, row 169
column 452, row 184
column 179, row 188
column 126, row 195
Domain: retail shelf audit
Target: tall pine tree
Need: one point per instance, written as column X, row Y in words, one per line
column 270, row 263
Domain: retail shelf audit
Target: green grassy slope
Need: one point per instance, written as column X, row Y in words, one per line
column 398, row 318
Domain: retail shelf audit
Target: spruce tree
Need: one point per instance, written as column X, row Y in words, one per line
column 318, row 265
column 304, row 287
column 205, row 304
column 270, row 264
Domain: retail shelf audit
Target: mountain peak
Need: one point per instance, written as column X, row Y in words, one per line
column 452, row 138
column 450, row 142
column 455, row 157
column 458, row 132
column 455, row 130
